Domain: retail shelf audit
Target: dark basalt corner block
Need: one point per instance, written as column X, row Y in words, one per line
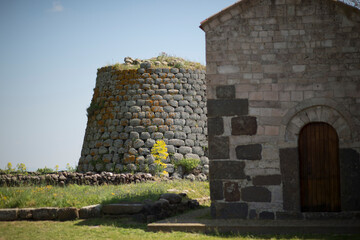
column 350, row 179
column 227, row 170
column 267, row 180
column 249, row 152
column 216, row 190
column 289, row 165
column 227, row 107
column 255, row 194
column 267, row 215
column 215, row 126
column 227, row 91
column 231, row 192
column 243, row 125
column 229, row 210
column 219, row 148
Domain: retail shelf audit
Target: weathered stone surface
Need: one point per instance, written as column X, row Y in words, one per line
column 215, row 126
column 249, row 152
column 8, row 214
column 90, row 211
column 171, row 197
column 350, row 179
column 227, row 107
column 47, row 213
column 216, row 190
column 229, row 210
column 255, row 194
column 227, row 170
column 289, row 165
column 227, row 91
column 25, row 213
column 69, row 213
column 243, row 125
column 142, row 107
column 122, row 208
column 267, row 180
column 231, row 192
column 267, row 215
column 219, row 148
column 289, row 216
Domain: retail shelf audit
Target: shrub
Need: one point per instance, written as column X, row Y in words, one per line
column 69, row 168
column 94, row 107
column 159, row 151
column 21, row 168
column 44, row 170
column 188, row 164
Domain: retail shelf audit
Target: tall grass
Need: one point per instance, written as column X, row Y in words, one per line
column 79, row 196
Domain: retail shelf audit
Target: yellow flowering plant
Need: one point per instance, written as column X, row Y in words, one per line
column 159, row 151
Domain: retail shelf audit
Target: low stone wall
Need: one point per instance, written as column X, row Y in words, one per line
column 167, row 205
column 65, row 178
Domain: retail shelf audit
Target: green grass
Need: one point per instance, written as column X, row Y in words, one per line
column 79, row 196
column 119, row 229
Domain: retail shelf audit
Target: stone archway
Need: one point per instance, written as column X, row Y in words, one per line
column 319, row 110
column 330, row 112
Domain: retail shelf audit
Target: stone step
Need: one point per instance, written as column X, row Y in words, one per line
column 122, row 208
column 261, row 227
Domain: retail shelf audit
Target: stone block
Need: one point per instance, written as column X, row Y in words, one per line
column 228, row 69
column 255, row 194
column 8, row 214
column 173, row 198
column 229, row 210
column 272, row 130
column 25, row 213
column 47, row 213
column 215, row 126
column 289, row 216
column 267, row 215
column 266, row 180
column 350, row 179
column 69, row 213
column 219, row 148
column 122, row 208
column 192, row 156
column 216, row 190
column 227, row 170
column 249, row 152
column 231, row 192
column 185, row 150
column 92, row 211
column 289, row 166
column 227, row 107
column 244, row 125
column 225, row 92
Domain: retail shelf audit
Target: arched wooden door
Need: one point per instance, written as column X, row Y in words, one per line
column 319, row 168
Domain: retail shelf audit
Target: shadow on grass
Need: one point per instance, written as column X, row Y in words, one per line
column 289, row 236
column 112, row 222
column 133, row 199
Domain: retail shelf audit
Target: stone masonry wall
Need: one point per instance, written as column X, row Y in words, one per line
column 131, row 109
column 272, row 67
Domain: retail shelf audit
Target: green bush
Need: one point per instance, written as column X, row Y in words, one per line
column 44, row 170
column 188, row 164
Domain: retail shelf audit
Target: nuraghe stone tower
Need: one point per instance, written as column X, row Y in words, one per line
column 131, row 109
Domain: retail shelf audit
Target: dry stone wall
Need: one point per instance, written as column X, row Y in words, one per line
column 132, row 109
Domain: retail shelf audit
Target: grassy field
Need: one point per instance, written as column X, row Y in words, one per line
column 79, row 196
column 117, row 229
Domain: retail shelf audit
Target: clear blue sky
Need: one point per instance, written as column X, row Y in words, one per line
column 49, row 55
